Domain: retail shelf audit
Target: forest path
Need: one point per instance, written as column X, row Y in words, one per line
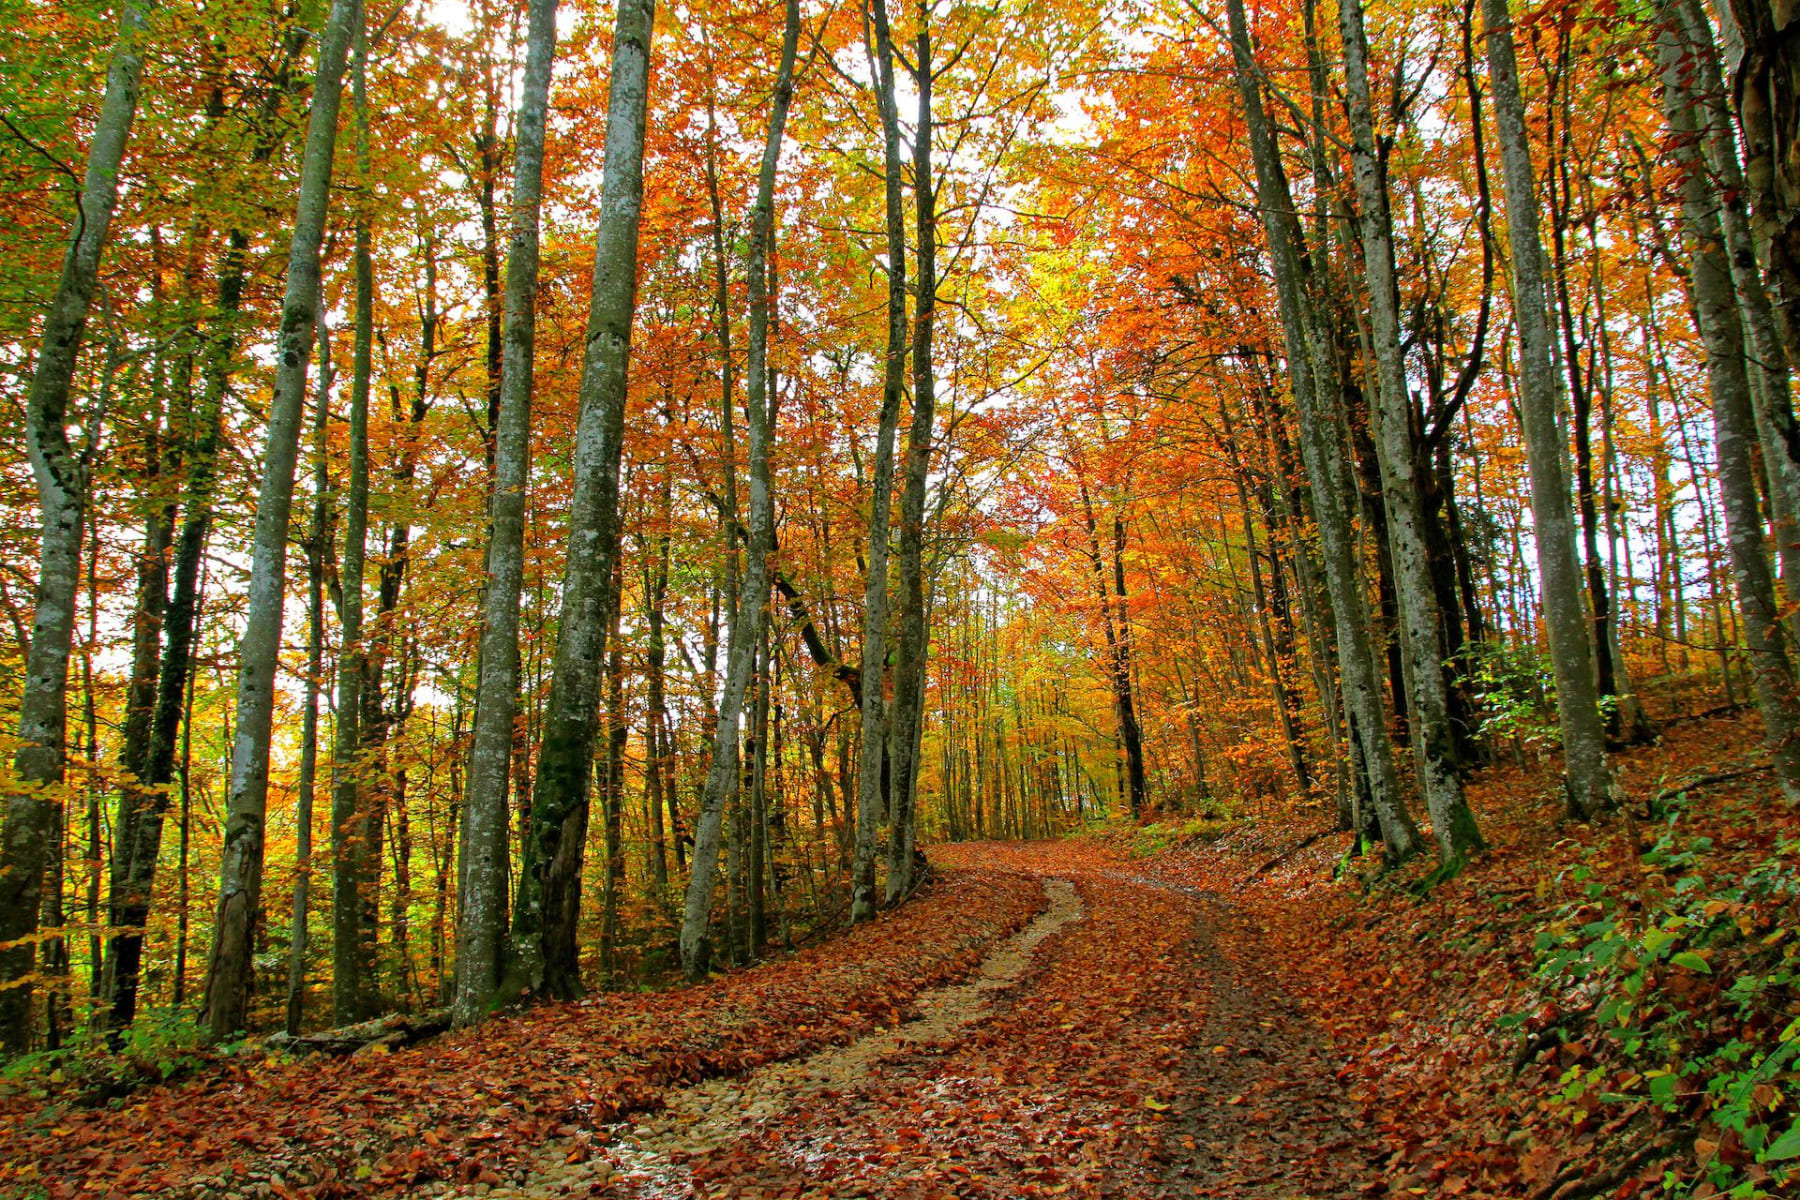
column 1130, row 1041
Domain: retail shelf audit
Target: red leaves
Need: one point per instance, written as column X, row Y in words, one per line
column 472, row 1107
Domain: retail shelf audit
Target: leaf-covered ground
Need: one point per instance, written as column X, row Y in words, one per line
column 1220, row 1010
column 1588, row 1010
column 473, row 1108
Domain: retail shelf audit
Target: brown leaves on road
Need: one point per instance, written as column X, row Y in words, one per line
column 471, row 1107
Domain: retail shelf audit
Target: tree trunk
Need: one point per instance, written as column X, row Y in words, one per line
column 229, row 965
column 1584, row 740
column 138, row 840
column 565, row 757
column 871, row 766
column 1434, row 744
column 1769, row 360
column 351, row 854
column 1767, row 87
column 1309, row 365
column 753, row 598
column 62, row 499
column 613, row 810
column 658, row 760
column 1718, row 315
column 481, row 918
column 309, row 712
column 913, row 651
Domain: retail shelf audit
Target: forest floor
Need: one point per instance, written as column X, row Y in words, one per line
column 1211, row 1010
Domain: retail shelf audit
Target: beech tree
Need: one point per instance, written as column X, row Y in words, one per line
column 240, row 872
column 872, row 778
column 482, row 917
column 753, row 595
column 61, row 474
column 542, row 950
column 1452, row 822
column 1577, row 700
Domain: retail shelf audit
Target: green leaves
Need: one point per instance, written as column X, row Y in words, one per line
column 1784, row 1147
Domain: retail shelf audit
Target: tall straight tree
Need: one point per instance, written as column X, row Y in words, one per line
column 137, row 835
column 314, row 545
column 869, row 790
column 1577, row 701
column 351, row 944
column 1771, row 388
column 1312, row 371
column 482, row 917
column 1719, row 316
column 1767, row 88
column 227, row 989
column 61, row 478
column 915, row 624
column 565, row 762
column 1434, row 743
column 753, row 597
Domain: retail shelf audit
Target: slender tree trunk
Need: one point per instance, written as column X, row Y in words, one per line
column 565, row 757
column 656, row 720
column 872, row 764
column 351, row 970
column 481, row 918
column 1718, row 314
column 613, row 792
column 757, row 809
column 1434, row 744
column 309, row 711
column 913, row 650
column 1769, row 360
column 136, row 802
column 1767, row 88
column 753, row 598
column 61, row 478
column 1309, row 367
column 229, row 966
column 1577, row 702
column 138, row 841
column 1131, row 730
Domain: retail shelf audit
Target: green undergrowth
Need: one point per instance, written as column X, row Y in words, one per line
column 160, row 1046
column 1209, row 823
column 1670, row 1003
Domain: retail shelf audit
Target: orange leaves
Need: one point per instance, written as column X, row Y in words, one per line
column 471, row 1107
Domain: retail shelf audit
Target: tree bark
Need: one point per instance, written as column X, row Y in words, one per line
column 1311, row 372
column 1767, row 87
column 753, row 597
column 1577, row 702
column 913, row 650
column 351, row 854
column 481, row 919
column 565, row 758
column 1718, row 315
column 61, row 480
column 1769, row 361
column 229, row 966
column 1434, row 744
column 138, row 836
column 309, row 711
column 871, row 766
